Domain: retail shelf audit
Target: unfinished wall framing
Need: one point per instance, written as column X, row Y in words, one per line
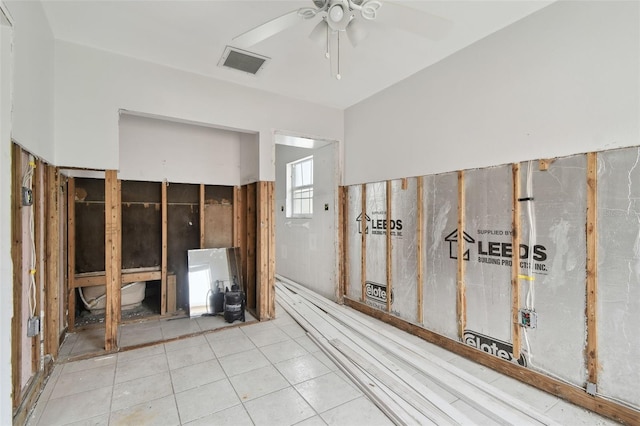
column 576, row 226
column 37, row 322
column 126, row 231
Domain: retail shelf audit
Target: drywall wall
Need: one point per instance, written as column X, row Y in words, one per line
column 33, row 82
column 92, row 86
column 306, row 248
column 6, row 266
column 154, row 150
column 249, row 158
column 562, row 81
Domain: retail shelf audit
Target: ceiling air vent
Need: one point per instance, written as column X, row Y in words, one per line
column 242, row 60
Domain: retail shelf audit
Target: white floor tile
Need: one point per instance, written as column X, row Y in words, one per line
column 141, row 367
column 204, row 400
column 195, row 375
column 268, row 336
column 140, row 353
column 231, row 346
column 224, row 334
column 83, row 380
column 189, row 356
column 141, row 390
column 185, row 343
column 234, row 416
column 282, row 351
column 243, row 362
column 284, row 407
column 90, row 363
column 569, row 414
column 308, row 344
column 326, row 392
column 312, row 421
column 303, row 368
column 158, row 412
column 293, row 330
column 258, row 382
column 360, row 411
column 76, row 407
column 102, row 420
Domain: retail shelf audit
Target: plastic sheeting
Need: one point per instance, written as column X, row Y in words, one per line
column 488, row 211
column 439, row 253
column 619, row 275
column 557, row 252
column 404, row 241
column 354, row 241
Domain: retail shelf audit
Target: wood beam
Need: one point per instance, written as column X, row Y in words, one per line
column 201, row 200
column 363, row 243
column 113, row 258
column 420, row 248
column 165, row 250
column 71, row 253
column 461, row 300
column 343, row 252
column 592, row 267
column 266, row 251
column 52, row 287
column 515, row 261
column 16, row 255
column 238, row 208
column 251, row 222
column 389, row 247
column 39, row 206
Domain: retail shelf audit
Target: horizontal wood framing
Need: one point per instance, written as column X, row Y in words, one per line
column 563, row 390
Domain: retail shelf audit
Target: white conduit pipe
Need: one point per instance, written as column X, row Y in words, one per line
column 415, row 356
column 426, row 401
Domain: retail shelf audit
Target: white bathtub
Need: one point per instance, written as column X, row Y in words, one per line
column 131, row 296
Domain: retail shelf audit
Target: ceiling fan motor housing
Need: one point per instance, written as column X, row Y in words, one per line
column 339, row 15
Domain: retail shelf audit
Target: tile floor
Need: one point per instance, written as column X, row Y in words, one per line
column 267, row 373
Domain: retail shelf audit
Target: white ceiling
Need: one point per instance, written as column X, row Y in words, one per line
column 192, row 35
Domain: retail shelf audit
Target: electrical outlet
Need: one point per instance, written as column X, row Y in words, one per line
column 33, row 326
column 27, row 196
column 528, row 318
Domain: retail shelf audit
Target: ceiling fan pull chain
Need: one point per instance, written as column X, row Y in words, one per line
column 338, row 76
column 327, row 55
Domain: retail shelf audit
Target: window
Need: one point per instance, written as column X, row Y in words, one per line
column 300, row 188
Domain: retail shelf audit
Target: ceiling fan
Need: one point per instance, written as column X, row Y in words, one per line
column 346, row 17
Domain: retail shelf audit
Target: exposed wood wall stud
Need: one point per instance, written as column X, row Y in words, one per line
column 71, row 253
column 52, row 260
column 419, row 248
column 113, row 259
column 165, row 248
column 16, row 255
column 389, row 248
column 201, row 199
column 592, row 267
column 363, row 243
column 343, row 252
column 461, row 301
column 515, row 261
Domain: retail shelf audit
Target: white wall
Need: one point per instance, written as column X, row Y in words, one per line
column 33, row 82
column 306, row 248
column 563, row 80
column 153, row 150
column 249, row 158
column 6, row 269
column 93, row 85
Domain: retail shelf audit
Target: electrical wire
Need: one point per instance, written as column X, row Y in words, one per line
column 27, row 182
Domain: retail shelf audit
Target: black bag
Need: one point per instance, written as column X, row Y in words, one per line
column 234, row 304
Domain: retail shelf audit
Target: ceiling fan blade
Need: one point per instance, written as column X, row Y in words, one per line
column 356, row 32
column 266, row 30
column 414, row 21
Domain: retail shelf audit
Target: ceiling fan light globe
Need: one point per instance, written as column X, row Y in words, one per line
column 336, row 13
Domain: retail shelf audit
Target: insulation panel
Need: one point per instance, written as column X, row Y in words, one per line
column 439, row 256
column 376, row 251
column 553, row 266
column 618, row 293
column 404, row 240
column 354, row 242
